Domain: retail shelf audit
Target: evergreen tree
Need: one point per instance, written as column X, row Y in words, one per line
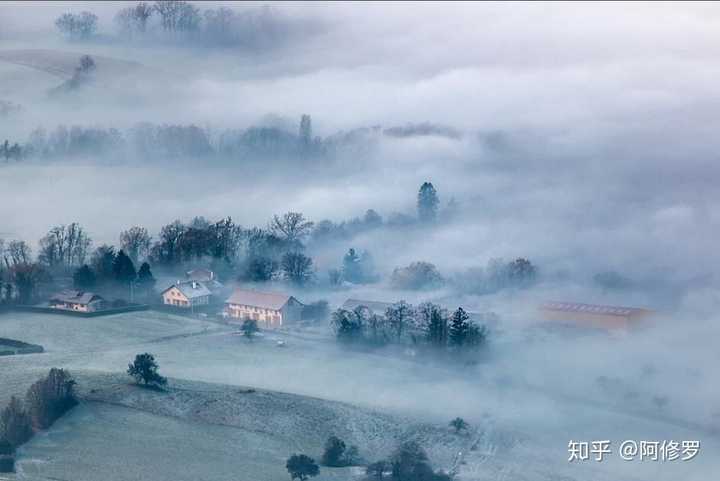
column 477, row 335
column 102, row 262
column 84, row 278
column 399, row 315
column 305, row 132
column 427, row 203
column 123, row 268
column 436, row 326
column 146, row 280
column 459, row 328
column 352, row 270
column 145, row 276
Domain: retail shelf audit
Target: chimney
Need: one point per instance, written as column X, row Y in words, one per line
column 195, row 285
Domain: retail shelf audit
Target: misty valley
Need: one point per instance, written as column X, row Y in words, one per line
column 414, row 241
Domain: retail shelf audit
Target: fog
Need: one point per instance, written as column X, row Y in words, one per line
column 580, row 136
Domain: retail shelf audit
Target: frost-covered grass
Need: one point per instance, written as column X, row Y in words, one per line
column 208, row 426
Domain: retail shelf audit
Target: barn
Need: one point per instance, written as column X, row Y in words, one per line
column 271, row 310
column 593, row 315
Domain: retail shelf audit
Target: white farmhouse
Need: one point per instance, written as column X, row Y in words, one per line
column 186, row 294
column 271, row 310
column 74, row 300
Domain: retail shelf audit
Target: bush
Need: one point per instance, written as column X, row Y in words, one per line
column 249, row 328
column 334, row 454
column 378, row 469
column 51, row 397
column 301, row 467
column 410, row 463
column 15, row 425
column 418, row 275
column 459, row 424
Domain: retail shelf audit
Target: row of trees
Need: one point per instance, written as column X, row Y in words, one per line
column 402, row 322
column 46, row 400
column 10, row 151
column 409, row 462
column 181, row 21
column 80, row 26
column 151, row 141
column 499, row 274
column 117, row 269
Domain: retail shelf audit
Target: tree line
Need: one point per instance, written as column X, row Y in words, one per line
column 408, row 462
column 182, row 22
column 427, row 324
column 45, row 402
column 167, row 141
column 276, row 252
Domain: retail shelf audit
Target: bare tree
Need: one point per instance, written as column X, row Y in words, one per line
column 142, row 13
column 399, row 315
column 291, row 227
column 136, row 243
column 64, row 246
column 77, row 26
column 169, row 11
column 125, row 20
column 26, row 278
column 131, row 20
column 188, row 19
column 19, row 252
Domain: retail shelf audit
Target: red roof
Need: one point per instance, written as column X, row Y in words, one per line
column 593, row 309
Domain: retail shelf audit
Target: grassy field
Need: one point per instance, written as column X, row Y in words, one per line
column 236, row 409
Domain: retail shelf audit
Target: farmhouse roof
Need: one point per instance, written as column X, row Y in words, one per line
column 376, row 307
column 75, row 297
column 266, row 300
column 191, row 289
column 200, row 274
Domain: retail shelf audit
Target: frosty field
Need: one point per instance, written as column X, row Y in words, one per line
column 237, row 409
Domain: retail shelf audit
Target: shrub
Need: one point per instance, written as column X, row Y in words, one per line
column 301, row 467
column 418, row 275
column 249, row 328
column 15, row 425
column 459, row 424
column 51, row 397
column 334, row 452
column 378, row 469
